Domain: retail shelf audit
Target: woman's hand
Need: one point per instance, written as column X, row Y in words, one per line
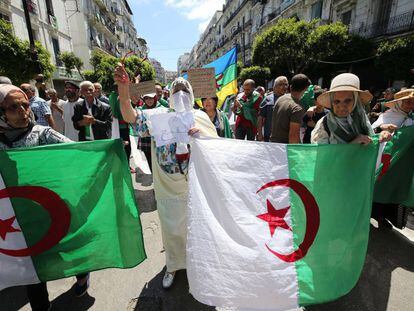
column 121, row 76
column 385, row 136
column 389, row 127
column 193, row 131
column 362, row 140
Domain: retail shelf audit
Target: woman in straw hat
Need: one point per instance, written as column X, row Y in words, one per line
column 347, row 122
column 400, row 114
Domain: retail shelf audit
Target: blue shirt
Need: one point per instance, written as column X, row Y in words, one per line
column 40, row 108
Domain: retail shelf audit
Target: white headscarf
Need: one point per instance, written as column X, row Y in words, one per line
column 182, row 96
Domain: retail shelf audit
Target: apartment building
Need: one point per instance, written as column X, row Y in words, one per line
column 159, row 70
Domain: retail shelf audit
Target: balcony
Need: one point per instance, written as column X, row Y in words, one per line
column 395, row 25
column 103, row 25
column 285, row 4
column 235, row 13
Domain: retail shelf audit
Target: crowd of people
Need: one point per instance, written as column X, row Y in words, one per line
column 292, row 113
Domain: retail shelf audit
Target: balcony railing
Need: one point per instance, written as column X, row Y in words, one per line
column 235, row 12
column 396, row 24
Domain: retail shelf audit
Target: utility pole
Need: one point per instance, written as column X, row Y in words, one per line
column 33, row 51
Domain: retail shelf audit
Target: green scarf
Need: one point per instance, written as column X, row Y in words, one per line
column 247, row 107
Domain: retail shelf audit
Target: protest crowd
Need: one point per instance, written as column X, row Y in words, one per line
column 295, row 111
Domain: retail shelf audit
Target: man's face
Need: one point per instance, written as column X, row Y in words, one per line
column 281, row 88
column 16, row 109
column 27, row 90
column 158, row 90
column 248, row 88
column 343, row 103
column 98, row 90
column 52, row 96
column 88, row 92
column 71, row 92
column 388, row 95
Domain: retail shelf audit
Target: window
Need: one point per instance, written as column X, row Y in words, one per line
column 56, row 50
column 316, row 10
column 49, row 8
column 4, row 17
column 346, row 17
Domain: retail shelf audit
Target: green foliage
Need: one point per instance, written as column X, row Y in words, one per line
column 104, row 66
column 396, row 58
column 15, row 60
column 71, row 61
column 259, row 74
column 240, row 66
column 292, row 46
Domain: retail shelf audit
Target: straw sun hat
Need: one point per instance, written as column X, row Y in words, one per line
column 344, row 82
column 400, row 96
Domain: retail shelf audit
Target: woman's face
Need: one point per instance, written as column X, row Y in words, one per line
column 149, row 101
column 343, row 103
column 408, row 105
column 209, row 104
column 17, row 110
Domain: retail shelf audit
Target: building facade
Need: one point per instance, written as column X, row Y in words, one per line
column 159, row 70
column 170, row 76
column 104, row 25
column 182, row 63
column 240, row 21
column 49, row 21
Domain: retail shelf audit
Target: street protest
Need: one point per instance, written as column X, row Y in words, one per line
column 269, row 168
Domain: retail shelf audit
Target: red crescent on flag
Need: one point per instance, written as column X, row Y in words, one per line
column 312, row 217
column 58, row 211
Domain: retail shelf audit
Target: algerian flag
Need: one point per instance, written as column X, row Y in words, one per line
column 395, row 182
column 273, row 226
column 66, row 209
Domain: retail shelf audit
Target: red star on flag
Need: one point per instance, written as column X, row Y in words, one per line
column 275, row 218
column 6, row 227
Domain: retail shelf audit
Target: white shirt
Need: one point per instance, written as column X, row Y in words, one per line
column 395, row 117
column 57, row 116
column 68, row 111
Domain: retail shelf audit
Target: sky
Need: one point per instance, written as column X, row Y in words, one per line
column 172, row 27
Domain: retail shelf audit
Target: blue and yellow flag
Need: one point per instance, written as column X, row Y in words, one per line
column 226, row 75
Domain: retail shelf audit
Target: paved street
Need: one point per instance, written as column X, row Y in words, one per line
column 386, row 282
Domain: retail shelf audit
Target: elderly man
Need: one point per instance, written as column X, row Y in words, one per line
column 98, row 93
column 288, row 113
column 18, row 129
column 280, row 87
column 56, row 105
column 72, row 94
column 92, row 118
column 39, row 106
column 381, row 106
column 246, row 107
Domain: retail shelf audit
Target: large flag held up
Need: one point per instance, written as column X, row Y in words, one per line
column 66, row 209
column 395, row 182
column 277, row 226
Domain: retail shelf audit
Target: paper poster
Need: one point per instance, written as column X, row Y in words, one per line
column 171, row 127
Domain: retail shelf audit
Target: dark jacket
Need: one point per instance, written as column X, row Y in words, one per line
column 103, row 115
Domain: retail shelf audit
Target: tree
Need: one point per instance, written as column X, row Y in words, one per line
column 16, row 62
column 104, row 66
column 395, row 58
column 71, row 61
column 259, row 74
column 292, row 46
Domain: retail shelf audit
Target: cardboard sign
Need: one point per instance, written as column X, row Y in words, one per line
column 142, row 88
column 203, row 81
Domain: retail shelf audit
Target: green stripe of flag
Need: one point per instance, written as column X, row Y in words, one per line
column 341, row 178
column 229, row 75
column 93, row 180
